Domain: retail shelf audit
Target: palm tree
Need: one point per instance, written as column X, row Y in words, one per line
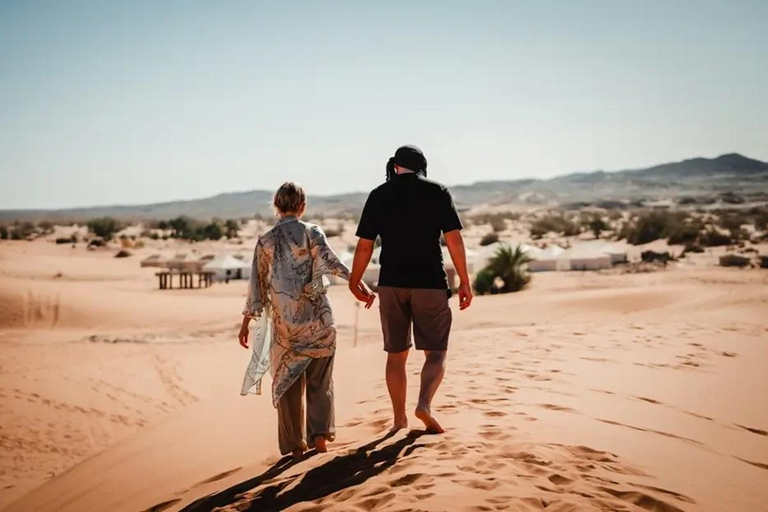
column 510, row 265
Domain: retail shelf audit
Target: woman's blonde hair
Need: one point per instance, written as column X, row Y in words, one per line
column 290, row 197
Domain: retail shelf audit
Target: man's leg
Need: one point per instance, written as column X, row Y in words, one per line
column 397, row 383
column 320, row 412
column 395, row 310
column 431, row 377
column 432, row 320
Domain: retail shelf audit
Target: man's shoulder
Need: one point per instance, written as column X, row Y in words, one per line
column 433, row 184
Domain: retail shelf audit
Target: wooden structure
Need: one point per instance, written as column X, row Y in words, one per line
column 186, row 279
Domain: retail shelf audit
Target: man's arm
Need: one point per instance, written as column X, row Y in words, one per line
column 359, row 289
column 455, row 243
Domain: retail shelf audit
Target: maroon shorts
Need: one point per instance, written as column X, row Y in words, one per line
column 426, row 309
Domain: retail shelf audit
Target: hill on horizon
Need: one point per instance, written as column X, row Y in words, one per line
column 695, row 179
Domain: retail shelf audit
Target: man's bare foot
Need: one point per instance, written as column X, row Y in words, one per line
column 399, row 424
column 320, row 444
column 433, row 427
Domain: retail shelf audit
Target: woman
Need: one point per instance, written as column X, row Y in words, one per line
column 286, row 296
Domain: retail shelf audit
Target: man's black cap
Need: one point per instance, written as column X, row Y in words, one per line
column 411, row 158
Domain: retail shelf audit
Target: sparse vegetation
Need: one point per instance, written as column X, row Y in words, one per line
column 489, row 239
column 67, row 240
column 231, row 228
column 3, row 233
column 508, row 265
column 498, row 225
column 104, row 227
column 714, row 238
column 123, row 254
column 554, row 224
column 597, row 225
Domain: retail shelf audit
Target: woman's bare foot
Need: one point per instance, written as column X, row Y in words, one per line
column 431, row 424
column 320, row 444
column 400, row 423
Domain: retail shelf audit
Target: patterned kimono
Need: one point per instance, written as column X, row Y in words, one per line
column 287, row 297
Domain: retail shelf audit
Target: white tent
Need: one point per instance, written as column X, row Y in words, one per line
column 584, row 258
column 547, row 260
column 226, row 267
column 617, row 253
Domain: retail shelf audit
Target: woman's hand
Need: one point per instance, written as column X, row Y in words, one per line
column 242, row 337
column 362, row 293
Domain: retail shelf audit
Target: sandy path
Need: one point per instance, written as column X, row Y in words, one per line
column 587, row 392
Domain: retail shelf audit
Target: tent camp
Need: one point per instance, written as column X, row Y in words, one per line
column 155, row 260
column 226, row 267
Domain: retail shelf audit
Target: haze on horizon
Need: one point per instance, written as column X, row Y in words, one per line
column 141, row 102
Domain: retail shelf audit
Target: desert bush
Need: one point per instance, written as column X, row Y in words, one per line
column 484, row 281
column 597, row 225
column 211, row 231
column 331, row 232
column 694, row 248
column 231, row 228
column 123, row 254
column 509, row 264
column 489, row 239
column 555, row 224
column 46, row 227
column 734, row 260
column 653, row 256
column 498, row 224
column 732, row 221
column 761, row 221
column 104, row 227
column 682, row 233
column 96, row 242
column 67, row 240
column 3, row 233
column 714, row 238
column 654, row 225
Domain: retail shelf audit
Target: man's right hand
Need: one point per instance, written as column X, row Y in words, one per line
column 465, row 295
column 362, row 293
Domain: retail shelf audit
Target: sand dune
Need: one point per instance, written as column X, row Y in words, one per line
column 586, row 392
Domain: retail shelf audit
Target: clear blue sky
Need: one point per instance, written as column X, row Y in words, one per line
column 128, row 102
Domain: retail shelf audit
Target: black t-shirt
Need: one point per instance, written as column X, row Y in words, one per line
column 409, row 212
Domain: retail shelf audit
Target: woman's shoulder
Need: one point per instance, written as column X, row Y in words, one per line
column 313, row 229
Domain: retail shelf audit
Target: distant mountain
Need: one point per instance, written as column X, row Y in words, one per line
column 696, row 179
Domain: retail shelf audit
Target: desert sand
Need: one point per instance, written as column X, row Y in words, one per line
column 587, row 391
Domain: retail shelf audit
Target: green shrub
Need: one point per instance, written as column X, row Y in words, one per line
column 3, row 233
column 212, row 231
column 232, row 228
column 510, row 265
column 484, row 281
column 104, row 227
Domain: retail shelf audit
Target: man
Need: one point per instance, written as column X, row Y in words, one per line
column 409, row 212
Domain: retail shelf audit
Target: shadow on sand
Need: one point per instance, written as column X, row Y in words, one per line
column 338, row 473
